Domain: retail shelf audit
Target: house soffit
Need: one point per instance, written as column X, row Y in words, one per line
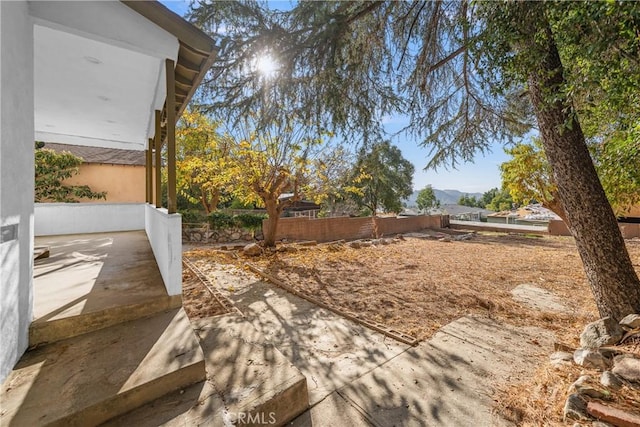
column 101, row 88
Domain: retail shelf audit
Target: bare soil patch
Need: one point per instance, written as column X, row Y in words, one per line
column 197, row 301
column 419, row 285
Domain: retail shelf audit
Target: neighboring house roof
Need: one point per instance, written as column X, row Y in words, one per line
column 111, row 156
column 454, row 209
column 530, row 212
column 409, row 212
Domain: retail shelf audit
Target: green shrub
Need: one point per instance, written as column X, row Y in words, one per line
column 193, row 216
column 238, row 204
column 250, row 221
column 219, row 220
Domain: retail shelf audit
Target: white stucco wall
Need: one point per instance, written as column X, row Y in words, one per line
column 16, row 182
column 74, row 218
column 165, row 235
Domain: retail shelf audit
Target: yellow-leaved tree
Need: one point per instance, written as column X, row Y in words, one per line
column 527, row 175
column 203, row 160
column 270, row 162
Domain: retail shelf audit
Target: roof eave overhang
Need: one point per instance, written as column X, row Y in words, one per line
column 196, row 53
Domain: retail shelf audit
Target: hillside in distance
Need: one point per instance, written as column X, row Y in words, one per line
column 445, row 196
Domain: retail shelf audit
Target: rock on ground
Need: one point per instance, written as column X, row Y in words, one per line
column 627, row 367
column 610, row 380
column 590, row 358
column 560, row 358
column 631, row 321
column 605, row 331
column 561, row 355
column 583, row 387
column 575, row 408
column 252, row 249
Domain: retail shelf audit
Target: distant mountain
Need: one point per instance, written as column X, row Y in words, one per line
column 445, row 196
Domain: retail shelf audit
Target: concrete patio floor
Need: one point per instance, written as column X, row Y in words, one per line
column 91, row 281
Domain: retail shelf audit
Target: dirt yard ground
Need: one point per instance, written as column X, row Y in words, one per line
column 418, row 285
column 197, row 301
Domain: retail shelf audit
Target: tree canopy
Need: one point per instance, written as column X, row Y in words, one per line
column 427, row 199
column 364, row 60
column 267, row 163
column 527, row 175
column 202, row 160
column 329, row 181
column 381, row 178
column 466, row 74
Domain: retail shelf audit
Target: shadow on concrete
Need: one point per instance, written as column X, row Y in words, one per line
column 90, row 378
column 444, row 381
column 354, row 376
column 384, row 382
column 93, row 272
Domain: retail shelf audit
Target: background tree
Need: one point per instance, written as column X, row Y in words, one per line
column 501, row 201
column 527, row 176
column 267, row 163
column 460, row 71
column 381, row 178
column 329, row 179
column 466, row 200
column 488, row 196
column 51, row 169
column 202, row 160
column 427, row 199
column 617, row 162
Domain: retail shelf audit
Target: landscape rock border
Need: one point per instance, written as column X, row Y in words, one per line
column 619, row 370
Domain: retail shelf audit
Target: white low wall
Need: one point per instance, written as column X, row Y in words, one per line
column 76, row 218
column 165, row 235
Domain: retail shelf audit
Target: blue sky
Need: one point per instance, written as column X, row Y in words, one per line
column 479, row 176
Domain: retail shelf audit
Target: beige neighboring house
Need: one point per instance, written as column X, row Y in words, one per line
column 120, row 173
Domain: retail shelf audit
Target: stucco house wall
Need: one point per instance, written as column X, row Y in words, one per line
column 123, row 183
column 16, row 193
column 118, row 172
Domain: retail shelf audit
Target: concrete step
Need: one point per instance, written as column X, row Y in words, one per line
column 45, row 330
column 94, row 281
column 249, row 382
column 91, row 378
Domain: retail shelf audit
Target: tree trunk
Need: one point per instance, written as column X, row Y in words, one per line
column 609, row 270
column 209, row 203
column 272, row 223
